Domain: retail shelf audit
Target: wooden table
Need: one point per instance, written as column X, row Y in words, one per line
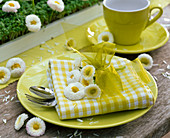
column 155, row 123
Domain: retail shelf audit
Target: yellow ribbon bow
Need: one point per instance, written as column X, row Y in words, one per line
column 106, row 76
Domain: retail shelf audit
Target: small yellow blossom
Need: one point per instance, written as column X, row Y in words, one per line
column 92, row 91
column 4, row 75
column 105, row 37
column 74, row 91
column 146, row 61
column 35, row 127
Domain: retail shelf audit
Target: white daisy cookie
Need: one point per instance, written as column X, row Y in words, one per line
column 73, row 76
column 74, row 91
column 92, row 91
column 5, row 75
column 35, row 127
column 87, row 72
column 70, row 43
column 105, row 37
column 146, row 61
column 20, row 121
column 16, row 66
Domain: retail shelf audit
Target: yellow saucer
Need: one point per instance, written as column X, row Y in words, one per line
column 36, row 76
column 152, row 38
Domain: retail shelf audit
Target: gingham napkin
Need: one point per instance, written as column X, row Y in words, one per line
column 136, row 93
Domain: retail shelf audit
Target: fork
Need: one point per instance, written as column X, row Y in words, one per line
column 42, row 92
column 43, row 102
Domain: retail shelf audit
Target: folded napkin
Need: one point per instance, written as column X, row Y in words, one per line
column 136, row 93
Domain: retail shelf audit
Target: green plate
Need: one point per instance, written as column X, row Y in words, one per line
column 36, row 75
column 152, row 37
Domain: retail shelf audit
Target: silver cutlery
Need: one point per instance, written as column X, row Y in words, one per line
column 47, row 96
column 41, row 101
column 42, row 92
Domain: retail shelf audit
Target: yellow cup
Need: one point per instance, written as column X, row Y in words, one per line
column 126, row 19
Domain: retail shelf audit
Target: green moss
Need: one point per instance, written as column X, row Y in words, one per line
column 12, row 25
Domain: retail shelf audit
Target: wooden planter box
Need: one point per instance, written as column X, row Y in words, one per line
column 54, row 29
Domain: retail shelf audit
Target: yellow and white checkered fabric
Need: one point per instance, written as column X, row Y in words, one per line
column 136, row 93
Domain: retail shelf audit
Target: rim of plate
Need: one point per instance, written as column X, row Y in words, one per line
column 83, row 127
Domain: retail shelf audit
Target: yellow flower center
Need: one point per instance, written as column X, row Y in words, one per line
column 75, row 89
column 144, row 61
column 2, row 74
column 36, row 126
column 16, row 65
column 85, row 82
column 11, row 4
column 33, row 22
column 105, row 38
column 57, row 2
column 70, row 43
column 71, row 76
column 18, row 120
column 88, row 71
column 93, row 91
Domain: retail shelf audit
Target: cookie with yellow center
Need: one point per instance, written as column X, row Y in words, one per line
column 35, row 127
column 92, row 91
column 74, row 91
column 4, row 75
column 20, row 121
column 16, row 66
column 73, row 76
column 87, row 72
column 105, row 37
column 70, row 43
column 146, row 61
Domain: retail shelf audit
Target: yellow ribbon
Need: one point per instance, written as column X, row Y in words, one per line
column 106, row 76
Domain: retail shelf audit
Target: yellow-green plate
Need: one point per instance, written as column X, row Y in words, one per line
column 152, row 37
column 36, row 75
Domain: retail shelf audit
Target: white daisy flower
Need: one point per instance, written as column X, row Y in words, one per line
column 105, row 37
column 92, row 91
column 1, row 1
column 11, row 6
column 70, row 43
column 33, row 23
column 86, row 82
column 16, row 66
column 20, row 121
column 35, row 127
column 57, row 5
column 5, row 75
column 77, row 63
column 146, row 61
column 87, row 72
column 73, row 76
column 74, row 91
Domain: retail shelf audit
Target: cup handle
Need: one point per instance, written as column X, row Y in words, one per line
column 156, row 17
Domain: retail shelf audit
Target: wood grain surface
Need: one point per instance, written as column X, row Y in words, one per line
column 154, row 124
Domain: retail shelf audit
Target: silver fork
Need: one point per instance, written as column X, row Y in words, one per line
column 42, row 102
column 42, row 92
